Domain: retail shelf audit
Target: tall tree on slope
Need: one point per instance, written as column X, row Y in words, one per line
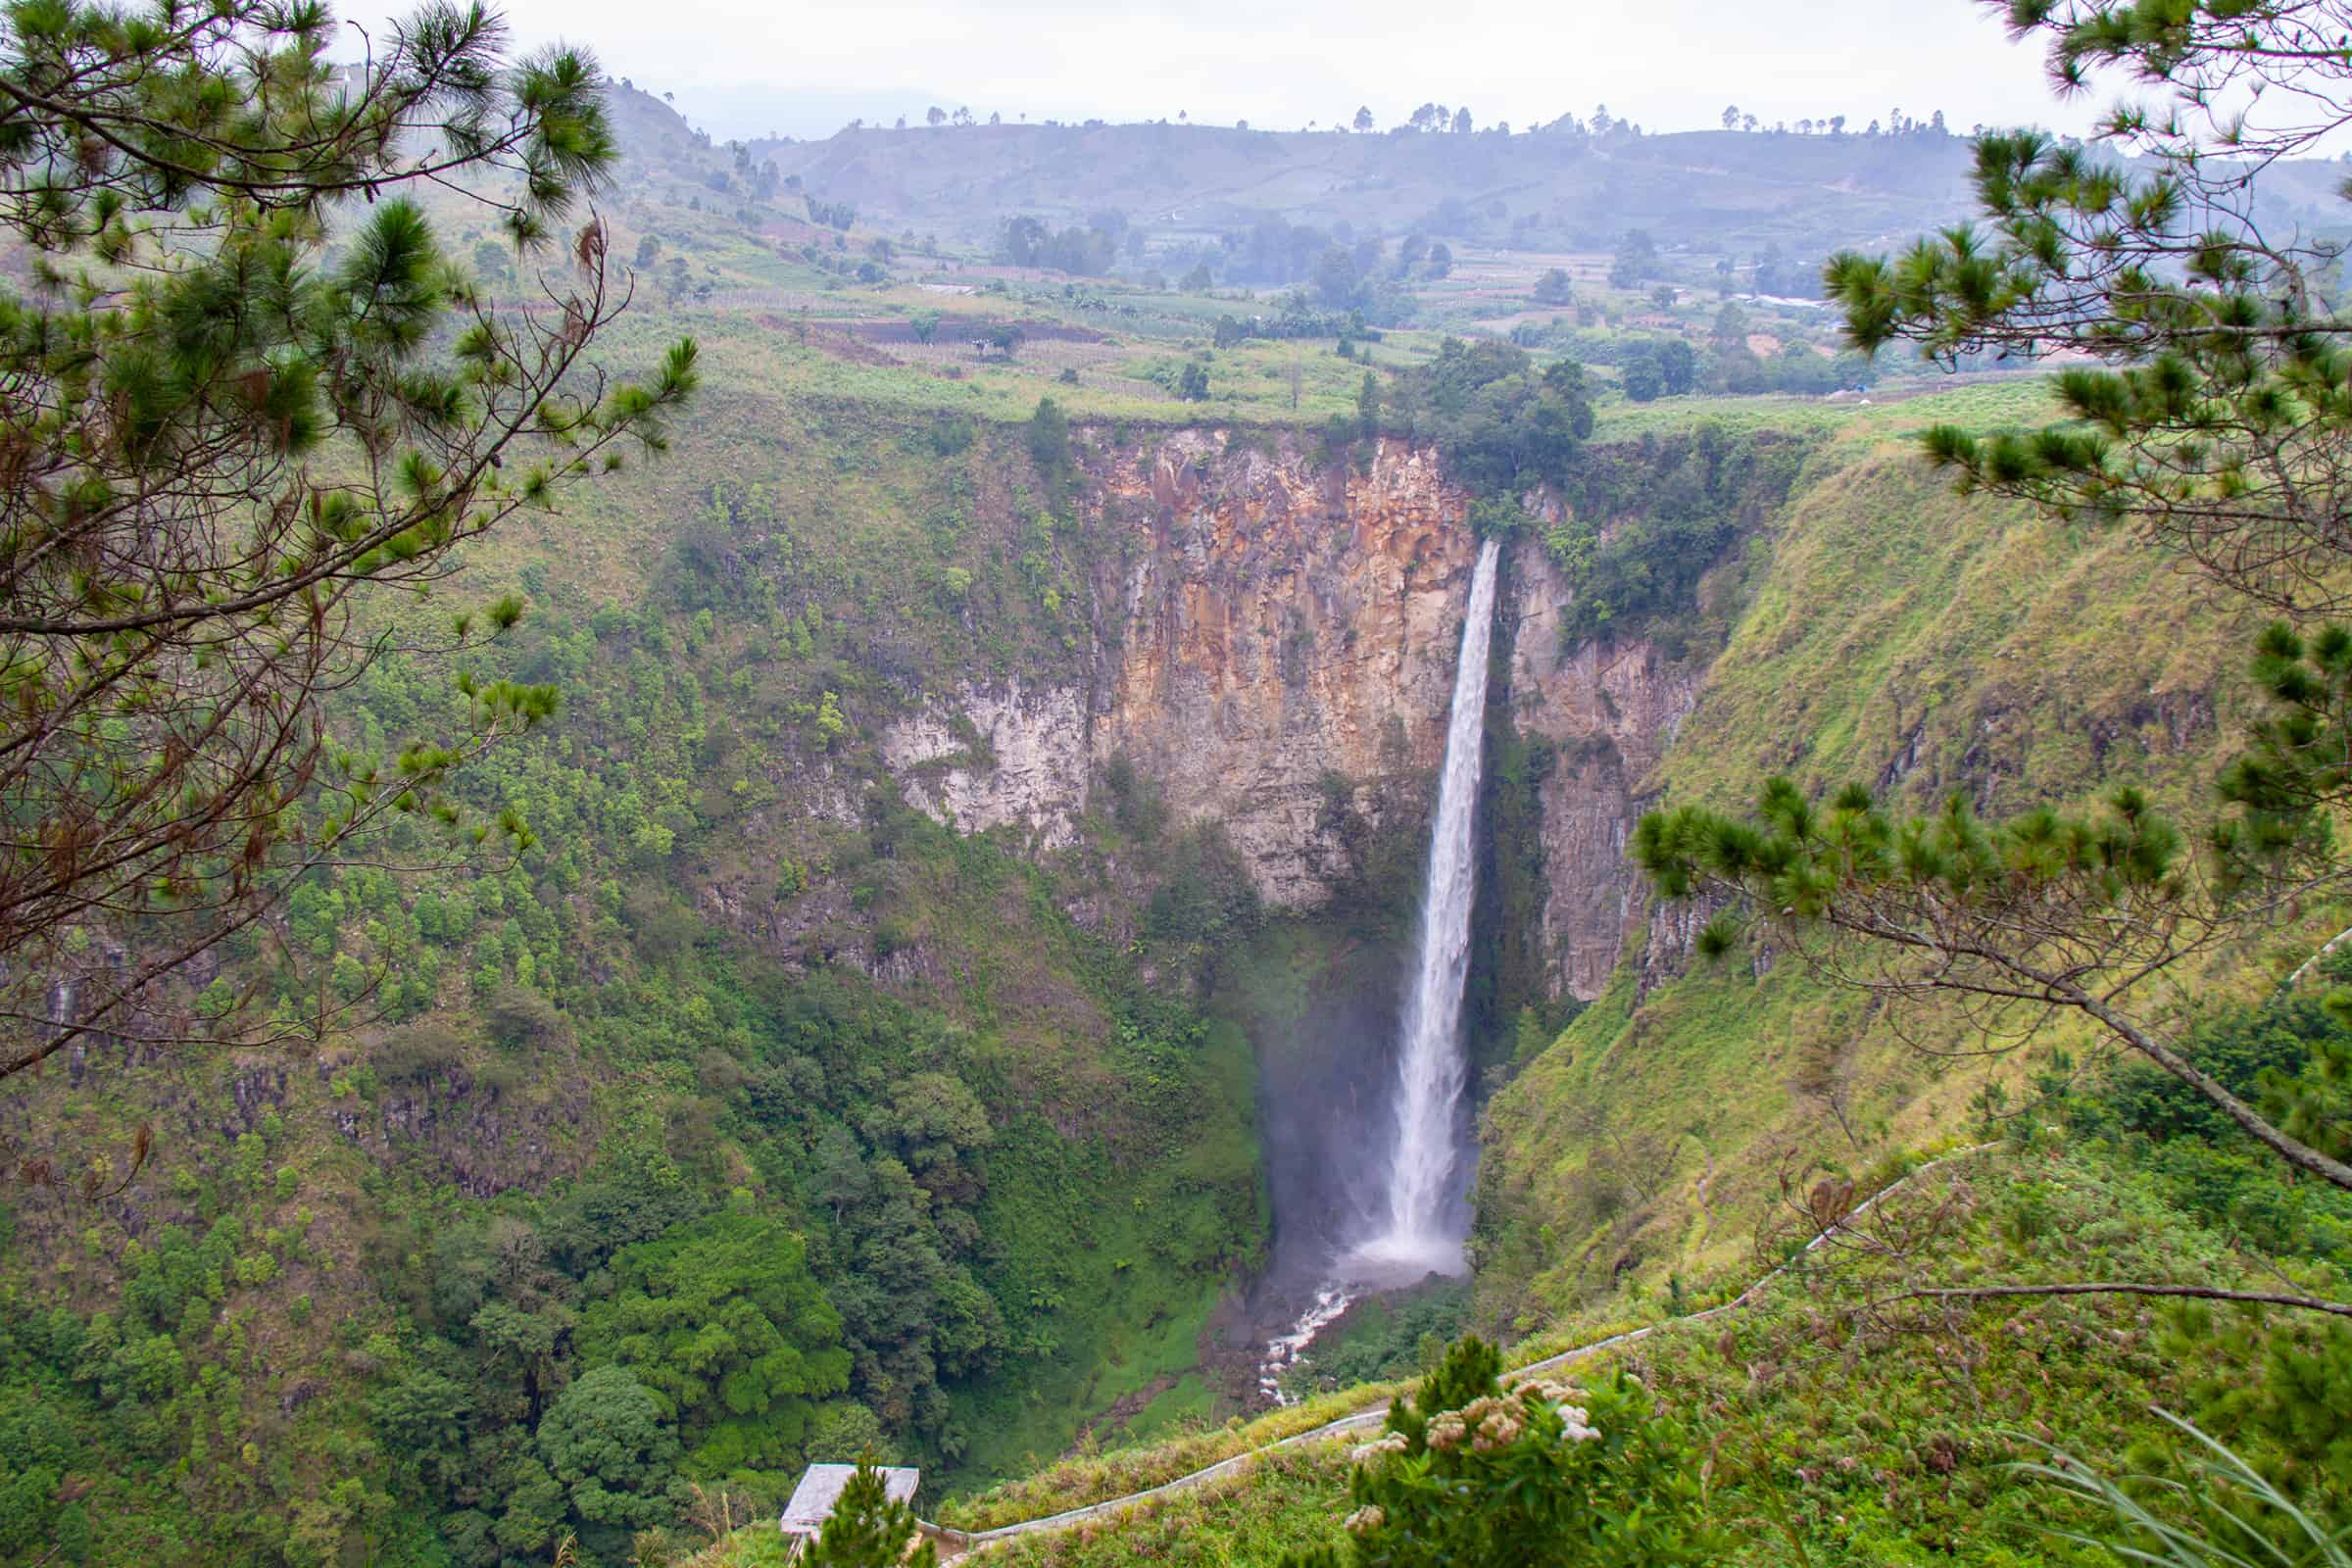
column 220, row 441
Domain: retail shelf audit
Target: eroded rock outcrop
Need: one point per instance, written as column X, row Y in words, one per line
column 1278, row 628
column 1285, row 629
column 1276, row 633
column 994, row 758
column 1612, row 706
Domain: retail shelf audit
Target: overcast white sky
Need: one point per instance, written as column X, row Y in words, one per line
column 747, row 68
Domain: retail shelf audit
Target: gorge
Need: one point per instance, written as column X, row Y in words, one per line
column 1248, row 700
column 1072, row 879
column 1417, row 1229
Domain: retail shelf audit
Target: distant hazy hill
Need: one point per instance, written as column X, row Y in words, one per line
column 1711, row 190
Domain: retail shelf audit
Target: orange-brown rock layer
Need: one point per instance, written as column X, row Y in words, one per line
column 1280, row 629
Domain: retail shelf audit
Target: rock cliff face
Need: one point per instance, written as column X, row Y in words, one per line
column 1613, row 707
column 1271, row 631
column 1274, row 630
column 1284, row 632
column 1020, row 759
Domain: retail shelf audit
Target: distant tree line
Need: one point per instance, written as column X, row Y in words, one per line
column 1504, row 427
column 1897, row 123
column 1294, row 317
column 1342, row 270
column 1090, row 250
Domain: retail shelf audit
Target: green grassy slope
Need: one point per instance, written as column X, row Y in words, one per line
column 1893, row 634
column 327, row 1319
column 732, row 953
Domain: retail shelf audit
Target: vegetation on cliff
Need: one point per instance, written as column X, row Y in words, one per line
column 1844, row 1423
column 733, row 1109
column 231, row 447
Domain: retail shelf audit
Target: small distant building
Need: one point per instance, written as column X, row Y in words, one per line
column 819, row 1490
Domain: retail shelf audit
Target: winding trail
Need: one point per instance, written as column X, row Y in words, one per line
column 959, row 1541
column 2326, row 948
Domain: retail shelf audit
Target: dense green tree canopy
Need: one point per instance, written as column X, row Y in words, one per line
column 606, row 1442
column 724, row 1325
column 1504, row 427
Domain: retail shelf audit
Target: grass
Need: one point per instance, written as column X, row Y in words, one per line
column 1888, row 633
column 1873, row 603
column 1186, row 1404
column 774, row 320
column 1871, row 1438
column 1889, row 615
column 1841, row 613
column 1118, row 1352
column 1285, row 1503
column 760, row 1544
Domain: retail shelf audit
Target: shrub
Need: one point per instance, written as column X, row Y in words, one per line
column 1544, row 1475
column 419, row 1052
column 1136, row 804
column 1209, row 894
column 952, row 436
column 1048, row 438
column 516, row 1017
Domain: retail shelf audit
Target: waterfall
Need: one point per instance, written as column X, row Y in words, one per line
column 1430, row 1062
column 1417, row 1236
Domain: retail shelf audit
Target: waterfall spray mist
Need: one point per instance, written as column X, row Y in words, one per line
column 1417, row 1233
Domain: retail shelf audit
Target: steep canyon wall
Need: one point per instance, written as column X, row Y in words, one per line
column 1275, row 638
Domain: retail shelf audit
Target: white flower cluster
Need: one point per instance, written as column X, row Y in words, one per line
column 1487, row 1424
column 1364, row 1520
column 1492, row 1423
column 1376, row 1450
column 1498, row 1427
column 1577, row 1420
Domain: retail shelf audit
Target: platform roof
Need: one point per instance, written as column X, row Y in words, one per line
column 819, row 1490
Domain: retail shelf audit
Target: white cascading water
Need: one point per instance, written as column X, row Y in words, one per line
column 1429, row 1064
column 1414, row 1238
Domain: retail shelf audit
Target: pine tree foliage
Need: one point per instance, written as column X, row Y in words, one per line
column 218, row 435
column 2219, row 418
column 2008, row 922
column 2213, row 419
column 1471, row 1370
column 2218, row 424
